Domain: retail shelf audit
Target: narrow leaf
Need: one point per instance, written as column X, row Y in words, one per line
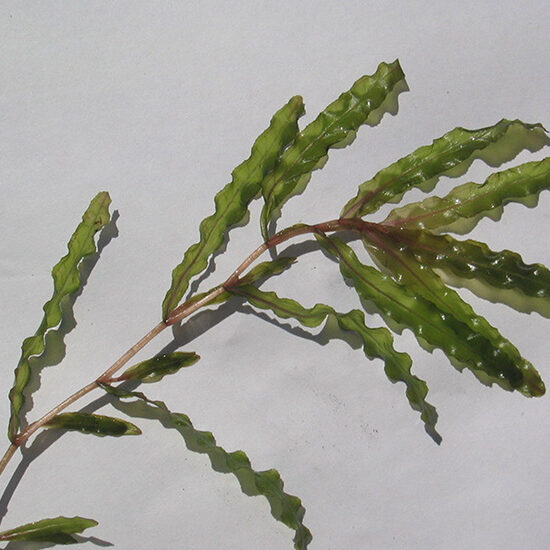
column 233, row 200
column 377, row 342
column 153, row 370
column 422, row 280
column 474, row 347
column 284, row 507
column 267, row 269
column 474, row 260
column 258, row 273
column 456, row 150
column 465, row 205
column 335, row 126
column 56, row 530
column 95, row 424
column 66, row 278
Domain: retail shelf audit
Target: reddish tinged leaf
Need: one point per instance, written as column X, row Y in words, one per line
column 453, row 151
column 473, row 260
column 429, row 314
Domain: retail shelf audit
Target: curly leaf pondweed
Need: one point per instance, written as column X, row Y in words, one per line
column 414, row 257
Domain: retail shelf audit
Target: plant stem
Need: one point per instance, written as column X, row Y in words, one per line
column 181, row 312
column 291, row 232
column 7, row 456
column 31, row 428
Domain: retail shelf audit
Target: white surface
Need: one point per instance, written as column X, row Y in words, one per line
column 157, row 102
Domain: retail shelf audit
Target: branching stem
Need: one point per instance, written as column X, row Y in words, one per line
column 180, row 313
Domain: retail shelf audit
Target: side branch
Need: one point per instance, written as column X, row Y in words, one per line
column 32, row 428
column 185, row 310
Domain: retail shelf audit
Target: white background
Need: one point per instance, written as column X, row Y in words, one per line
column 157, row 102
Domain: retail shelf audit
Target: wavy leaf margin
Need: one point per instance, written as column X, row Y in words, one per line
column 284, row 507
column 470, row 259
column 377, row 343
column 335, row 126
column 233, row 200
column 94, row 424
column 66, row 276
column 459, row 338
column 461, row 209
column 156, row 368
column 453, row 151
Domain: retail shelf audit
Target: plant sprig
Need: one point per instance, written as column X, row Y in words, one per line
column 410, row 249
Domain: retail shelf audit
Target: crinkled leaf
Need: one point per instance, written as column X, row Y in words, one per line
column 474, row 260
column 454, row 151
column 335, row 126
column 233, row 200
column 285, row 308
column 284, row 507
column 56, row 530
column 471, row 342
column 95, row 424
column 66, row 276
column 154, row 369
column 466, row 204
column 377, row 342
column 421, row 279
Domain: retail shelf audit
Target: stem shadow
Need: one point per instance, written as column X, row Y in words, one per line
column 44, row 440
column 182, row 335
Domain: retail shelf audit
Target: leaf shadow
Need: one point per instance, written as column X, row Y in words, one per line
column 329, row 331
column 512, row 298
column 182, row 335
column 193, row 287
column 389, row 106
column 55, row 348
column 43, row 441
column 284, row 507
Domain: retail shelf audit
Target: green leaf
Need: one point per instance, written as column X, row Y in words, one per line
column 474, row 260
column 454, row 151
column 398, row 259
column 66, row 276
column 267, row 269
column 472, row 342
column 57, row 530
column 94, row 424
column 257, row 274
column 465, row 205
column 233, row 200
column 153, row 370
column 335, row 126
column 377, row 342
column 284, row 507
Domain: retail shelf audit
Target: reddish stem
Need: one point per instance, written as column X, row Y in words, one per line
column 185, row 310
